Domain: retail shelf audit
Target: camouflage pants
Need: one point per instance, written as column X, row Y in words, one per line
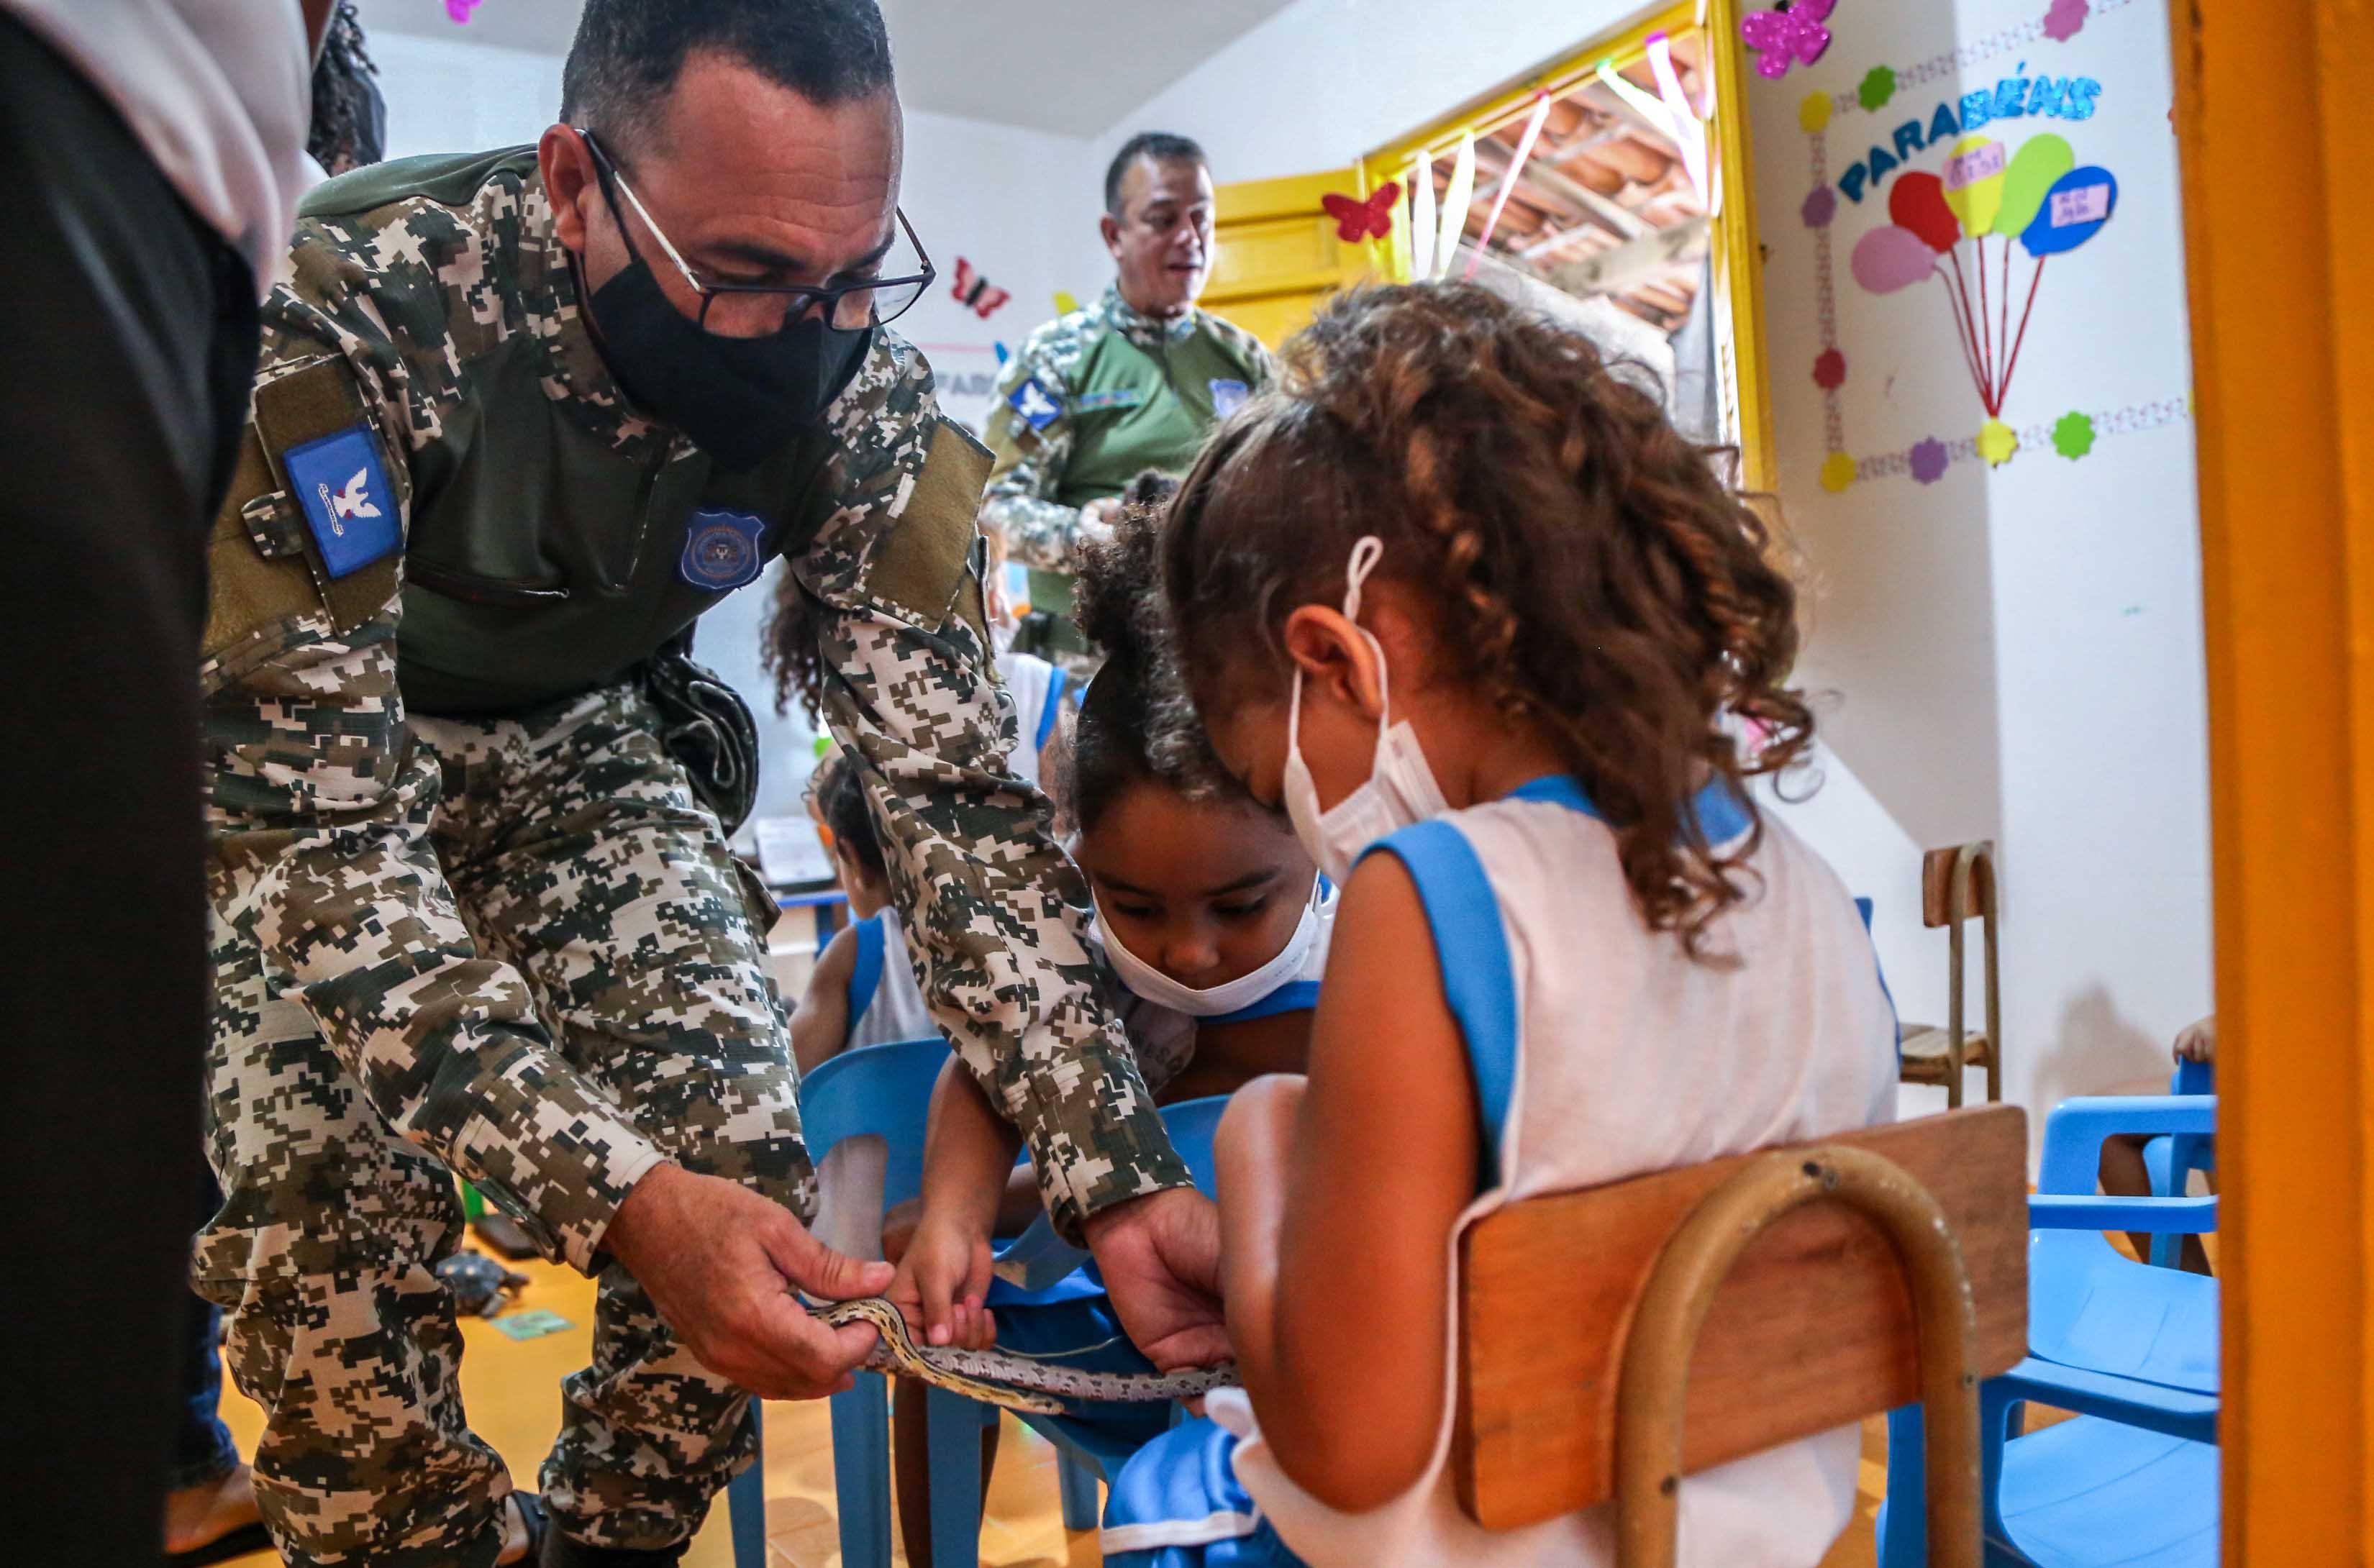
column 576, row 852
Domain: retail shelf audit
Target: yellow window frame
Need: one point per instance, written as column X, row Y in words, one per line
column 1737, row 268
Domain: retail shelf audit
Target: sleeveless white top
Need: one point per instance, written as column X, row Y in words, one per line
column 886, row 1005
column 1037, row 688
column 1603, row 1051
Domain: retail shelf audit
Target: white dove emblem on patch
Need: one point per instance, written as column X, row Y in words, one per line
column 352, row 500
column 1035, row 406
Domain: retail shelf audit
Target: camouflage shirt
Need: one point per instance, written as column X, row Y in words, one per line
column 397, row 327
column 1043, row 409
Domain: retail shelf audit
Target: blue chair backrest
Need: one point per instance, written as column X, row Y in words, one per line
column 2194, row 1078
column 1191, row 1124
column 882, row 1090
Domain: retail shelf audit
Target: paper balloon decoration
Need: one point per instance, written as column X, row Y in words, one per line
column 1917, row 203
column 2040, row 161
column 1974, row 183
column 2075, row 209
column 1889, row 259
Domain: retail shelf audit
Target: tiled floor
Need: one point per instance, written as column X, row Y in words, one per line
column 512, row 1389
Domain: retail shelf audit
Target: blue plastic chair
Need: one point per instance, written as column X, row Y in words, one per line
column 2171, row 1159
column 955, row 1457
column 2131, row 1348
column 2090, row 1306
column 884, row 1091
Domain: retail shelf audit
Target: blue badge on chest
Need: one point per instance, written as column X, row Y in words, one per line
column 723, row 550
column 1038, row 406
column 341, row 486
column 1228, row 397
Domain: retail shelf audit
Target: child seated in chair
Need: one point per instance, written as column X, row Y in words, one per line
column 1215, row 922
column 1456, row 595
column 862, row 989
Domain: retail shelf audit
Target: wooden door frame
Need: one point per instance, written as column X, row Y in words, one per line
column 2279, row 249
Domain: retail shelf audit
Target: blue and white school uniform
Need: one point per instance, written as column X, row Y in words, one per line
column 1071, row 1323
column 1600, row 1051
column 886, row 1005
column 1037, row 687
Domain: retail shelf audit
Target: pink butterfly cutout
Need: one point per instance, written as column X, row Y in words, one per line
column 1791, row 32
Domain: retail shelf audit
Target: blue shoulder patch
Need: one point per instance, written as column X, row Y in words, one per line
column 1038, row 406
column 341, row 486
column 1228, row 397
column 723, row 550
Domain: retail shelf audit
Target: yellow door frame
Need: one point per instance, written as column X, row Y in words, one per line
column 1738, row 268
column 2279, row 249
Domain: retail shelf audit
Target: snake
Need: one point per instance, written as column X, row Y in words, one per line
column 1001, row 1378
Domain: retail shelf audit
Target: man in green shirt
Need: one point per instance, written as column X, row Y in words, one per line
column 1134, row 382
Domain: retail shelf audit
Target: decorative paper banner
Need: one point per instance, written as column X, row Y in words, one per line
column 1456, row 198
column 1508, row 181
column 1422, row 222
column 2035, row 194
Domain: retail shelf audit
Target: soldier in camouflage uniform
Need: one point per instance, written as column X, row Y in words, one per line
column 1132, row 382
column 472, row 911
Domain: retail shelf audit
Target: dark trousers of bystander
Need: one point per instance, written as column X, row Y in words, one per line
column 127, row 341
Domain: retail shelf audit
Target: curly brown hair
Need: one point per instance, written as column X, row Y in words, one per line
column 1587, row 567
column 1136, row 721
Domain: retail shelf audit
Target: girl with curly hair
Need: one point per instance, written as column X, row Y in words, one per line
column 1457, row 596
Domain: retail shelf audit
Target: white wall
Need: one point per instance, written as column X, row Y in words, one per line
column 2018, row 650
column 2013, row 653
column 1020, row 204
column 1325, row 81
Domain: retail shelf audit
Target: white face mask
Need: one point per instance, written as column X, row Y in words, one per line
column 1400, row 790
column 1146, row 980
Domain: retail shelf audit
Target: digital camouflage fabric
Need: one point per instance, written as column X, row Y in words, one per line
column 512, row 943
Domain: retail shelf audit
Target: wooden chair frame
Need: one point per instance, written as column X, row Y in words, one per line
column 1718, row 1310
column 1955, row 885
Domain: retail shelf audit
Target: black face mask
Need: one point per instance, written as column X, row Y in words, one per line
column 740, row 399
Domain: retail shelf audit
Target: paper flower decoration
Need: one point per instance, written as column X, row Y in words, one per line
column 1838, row 472
column 1997, row 441
column 1829, row 369
column 2061, row 22
column 1814, row 114
column 1877, row 87
column 1788, row 33
column 1928, row 460
column 2073, row 435
column 1820, row 206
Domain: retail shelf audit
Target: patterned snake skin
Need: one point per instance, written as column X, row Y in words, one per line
column 1017, row 1383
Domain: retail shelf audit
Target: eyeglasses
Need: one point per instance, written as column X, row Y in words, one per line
column 756, row 309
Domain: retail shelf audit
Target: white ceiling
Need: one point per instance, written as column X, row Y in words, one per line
column 1070, row 67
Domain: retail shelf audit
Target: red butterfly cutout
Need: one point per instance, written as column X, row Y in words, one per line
column 976, row 291
column 1356, row 221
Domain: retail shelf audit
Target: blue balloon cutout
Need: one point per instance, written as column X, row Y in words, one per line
column 1002, row 355
column 2078, row 204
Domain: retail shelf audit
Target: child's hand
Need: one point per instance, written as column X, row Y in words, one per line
column 2199, row 1041
column 942, row 1281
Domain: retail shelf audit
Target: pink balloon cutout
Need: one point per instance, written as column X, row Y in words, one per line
column 1889, row 259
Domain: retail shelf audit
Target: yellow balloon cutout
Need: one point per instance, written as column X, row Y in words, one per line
column 1838, row 472
column 1974, row 181
column 1065, row 303
column 1814, row 114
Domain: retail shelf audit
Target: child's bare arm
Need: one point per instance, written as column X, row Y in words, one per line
column 820, row 1023
column 967, row 1156
column 1383, row 1159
